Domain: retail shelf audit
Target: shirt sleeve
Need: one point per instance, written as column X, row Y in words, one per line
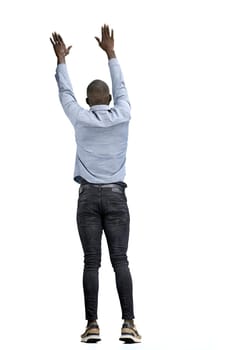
column 119, row 91
column 66, row 95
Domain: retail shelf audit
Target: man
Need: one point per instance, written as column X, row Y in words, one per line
column 101, row 136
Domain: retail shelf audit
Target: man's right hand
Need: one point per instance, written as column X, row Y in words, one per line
column 107, row 41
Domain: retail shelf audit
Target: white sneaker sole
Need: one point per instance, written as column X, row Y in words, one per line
column 90, row 339
column 130, row 339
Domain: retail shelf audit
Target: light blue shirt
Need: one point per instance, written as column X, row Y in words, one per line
column 101, row 132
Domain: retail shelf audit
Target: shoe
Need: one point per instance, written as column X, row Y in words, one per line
column 91, row 334
column 129, row 334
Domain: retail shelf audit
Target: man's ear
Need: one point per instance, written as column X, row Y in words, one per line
column 109, row 98
column 87, row 101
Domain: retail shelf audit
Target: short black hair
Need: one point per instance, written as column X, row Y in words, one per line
column 98, row 92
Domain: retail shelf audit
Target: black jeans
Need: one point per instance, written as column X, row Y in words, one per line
column 104, row 209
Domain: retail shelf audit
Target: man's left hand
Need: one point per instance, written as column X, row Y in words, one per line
column 59, row 47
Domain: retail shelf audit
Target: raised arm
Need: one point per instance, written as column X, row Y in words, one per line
column 120, row 95
column 70, row 106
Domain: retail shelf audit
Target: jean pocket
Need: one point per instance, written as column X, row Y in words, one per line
column 118, row 190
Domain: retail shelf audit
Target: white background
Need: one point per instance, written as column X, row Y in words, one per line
column 177, row 59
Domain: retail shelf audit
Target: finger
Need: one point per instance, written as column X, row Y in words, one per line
column 60, row 39
column 112, row 34
column 68, row 50
column 55, row 36
column 52, row 41
column 97, row 39
column 107, row 31
column 102, row 32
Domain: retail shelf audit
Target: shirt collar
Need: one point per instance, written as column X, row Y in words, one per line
column 100, row 108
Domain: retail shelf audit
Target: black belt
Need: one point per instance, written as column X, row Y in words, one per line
column 117, row 187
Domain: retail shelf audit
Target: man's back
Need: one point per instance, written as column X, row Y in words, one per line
column 101, row 132
column 101, row 153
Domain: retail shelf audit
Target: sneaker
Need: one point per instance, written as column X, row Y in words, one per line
column 91, row 334
column 129, row 334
